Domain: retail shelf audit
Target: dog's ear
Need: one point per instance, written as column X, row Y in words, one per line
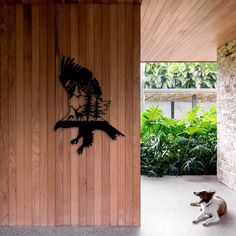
column 212, row 193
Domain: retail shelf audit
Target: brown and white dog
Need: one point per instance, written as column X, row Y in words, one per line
column 212, row 207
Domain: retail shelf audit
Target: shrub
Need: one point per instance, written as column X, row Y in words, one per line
column 178, row 147
column 180, row 75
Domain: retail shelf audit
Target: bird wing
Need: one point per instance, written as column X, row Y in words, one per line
column 107, row 128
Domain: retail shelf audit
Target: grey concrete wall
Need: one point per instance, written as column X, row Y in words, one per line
column 226, row 101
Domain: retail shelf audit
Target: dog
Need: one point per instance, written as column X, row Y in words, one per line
column 212, row 207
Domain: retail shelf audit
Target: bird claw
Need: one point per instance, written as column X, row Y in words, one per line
column 80, row 150
column 74, row 141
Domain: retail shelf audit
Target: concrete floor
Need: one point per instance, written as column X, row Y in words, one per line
column 165, row 212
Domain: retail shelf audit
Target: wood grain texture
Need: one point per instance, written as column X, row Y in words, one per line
column 43, row 56
column 106, row 94
column 35, row 117
column 66, row 40
column 51, row 114
column 4, row 121
column 11, row 38
column 113, row 111
column 59, row 114
column 121, row 116
column 74, row 156
column 181, row 30
column 90, row 151
column 20, row 116
column 128, row 115
column 98, row 140
column 27, row 34
column 43, row 180
column 82, row 32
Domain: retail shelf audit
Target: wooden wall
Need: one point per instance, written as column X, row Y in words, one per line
column 42, row 179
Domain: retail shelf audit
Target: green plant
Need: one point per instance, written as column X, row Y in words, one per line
column 180, row 75
column 177, row 147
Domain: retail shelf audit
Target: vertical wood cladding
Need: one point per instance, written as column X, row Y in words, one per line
column 43, row 180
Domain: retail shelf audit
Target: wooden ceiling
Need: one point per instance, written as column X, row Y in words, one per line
column 186, row 30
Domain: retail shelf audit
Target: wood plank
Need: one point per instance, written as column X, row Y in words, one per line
column 152, row 13
column 12, row 111
column 28, row 114
column 35, row 116
column 192, row 24
column 66, row 32
column 144, row 8
column 43, row 113
column 74, row 132
column 163, row 13
column 4, row 125
column 106, row 96
column 91, row 150
column 136, row 116
column 186, row 12
column 113, row 111
column 211, row 21
column 98, row 141
column 121, row 115
column 82, row 29
column 59, row 115
column 20, row 115
column 129, row 115
column 51, row 117
column 162, row 30
column 179, row 36
column 55, row 186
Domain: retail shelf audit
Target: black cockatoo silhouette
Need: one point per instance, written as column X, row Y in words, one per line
column 80, row 82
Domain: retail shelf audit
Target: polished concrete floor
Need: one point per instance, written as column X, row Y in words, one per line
column 165, row 212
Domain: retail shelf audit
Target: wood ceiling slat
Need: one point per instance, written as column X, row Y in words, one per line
column 211, row 26
column 189, row 27
column 157, row 16
column 175, row 28
column 153, row 9
column 177, row 8
column 190, row 31
column 205, row 25
column 144, row 8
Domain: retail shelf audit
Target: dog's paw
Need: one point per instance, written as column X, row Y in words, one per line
column 195, row 221
column 194, row 204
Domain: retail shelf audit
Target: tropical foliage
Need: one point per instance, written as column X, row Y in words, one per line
column 180, row 75
column 178, row 147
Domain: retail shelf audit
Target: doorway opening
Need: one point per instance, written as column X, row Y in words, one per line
column 179, row 125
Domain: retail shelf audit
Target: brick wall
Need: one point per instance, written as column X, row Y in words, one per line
column 226, row 99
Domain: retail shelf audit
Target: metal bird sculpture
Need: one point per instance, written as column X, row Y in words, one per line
column 85, row 104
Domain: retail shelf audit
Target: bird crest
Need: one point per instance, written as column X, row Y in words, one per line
column 86, row 106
